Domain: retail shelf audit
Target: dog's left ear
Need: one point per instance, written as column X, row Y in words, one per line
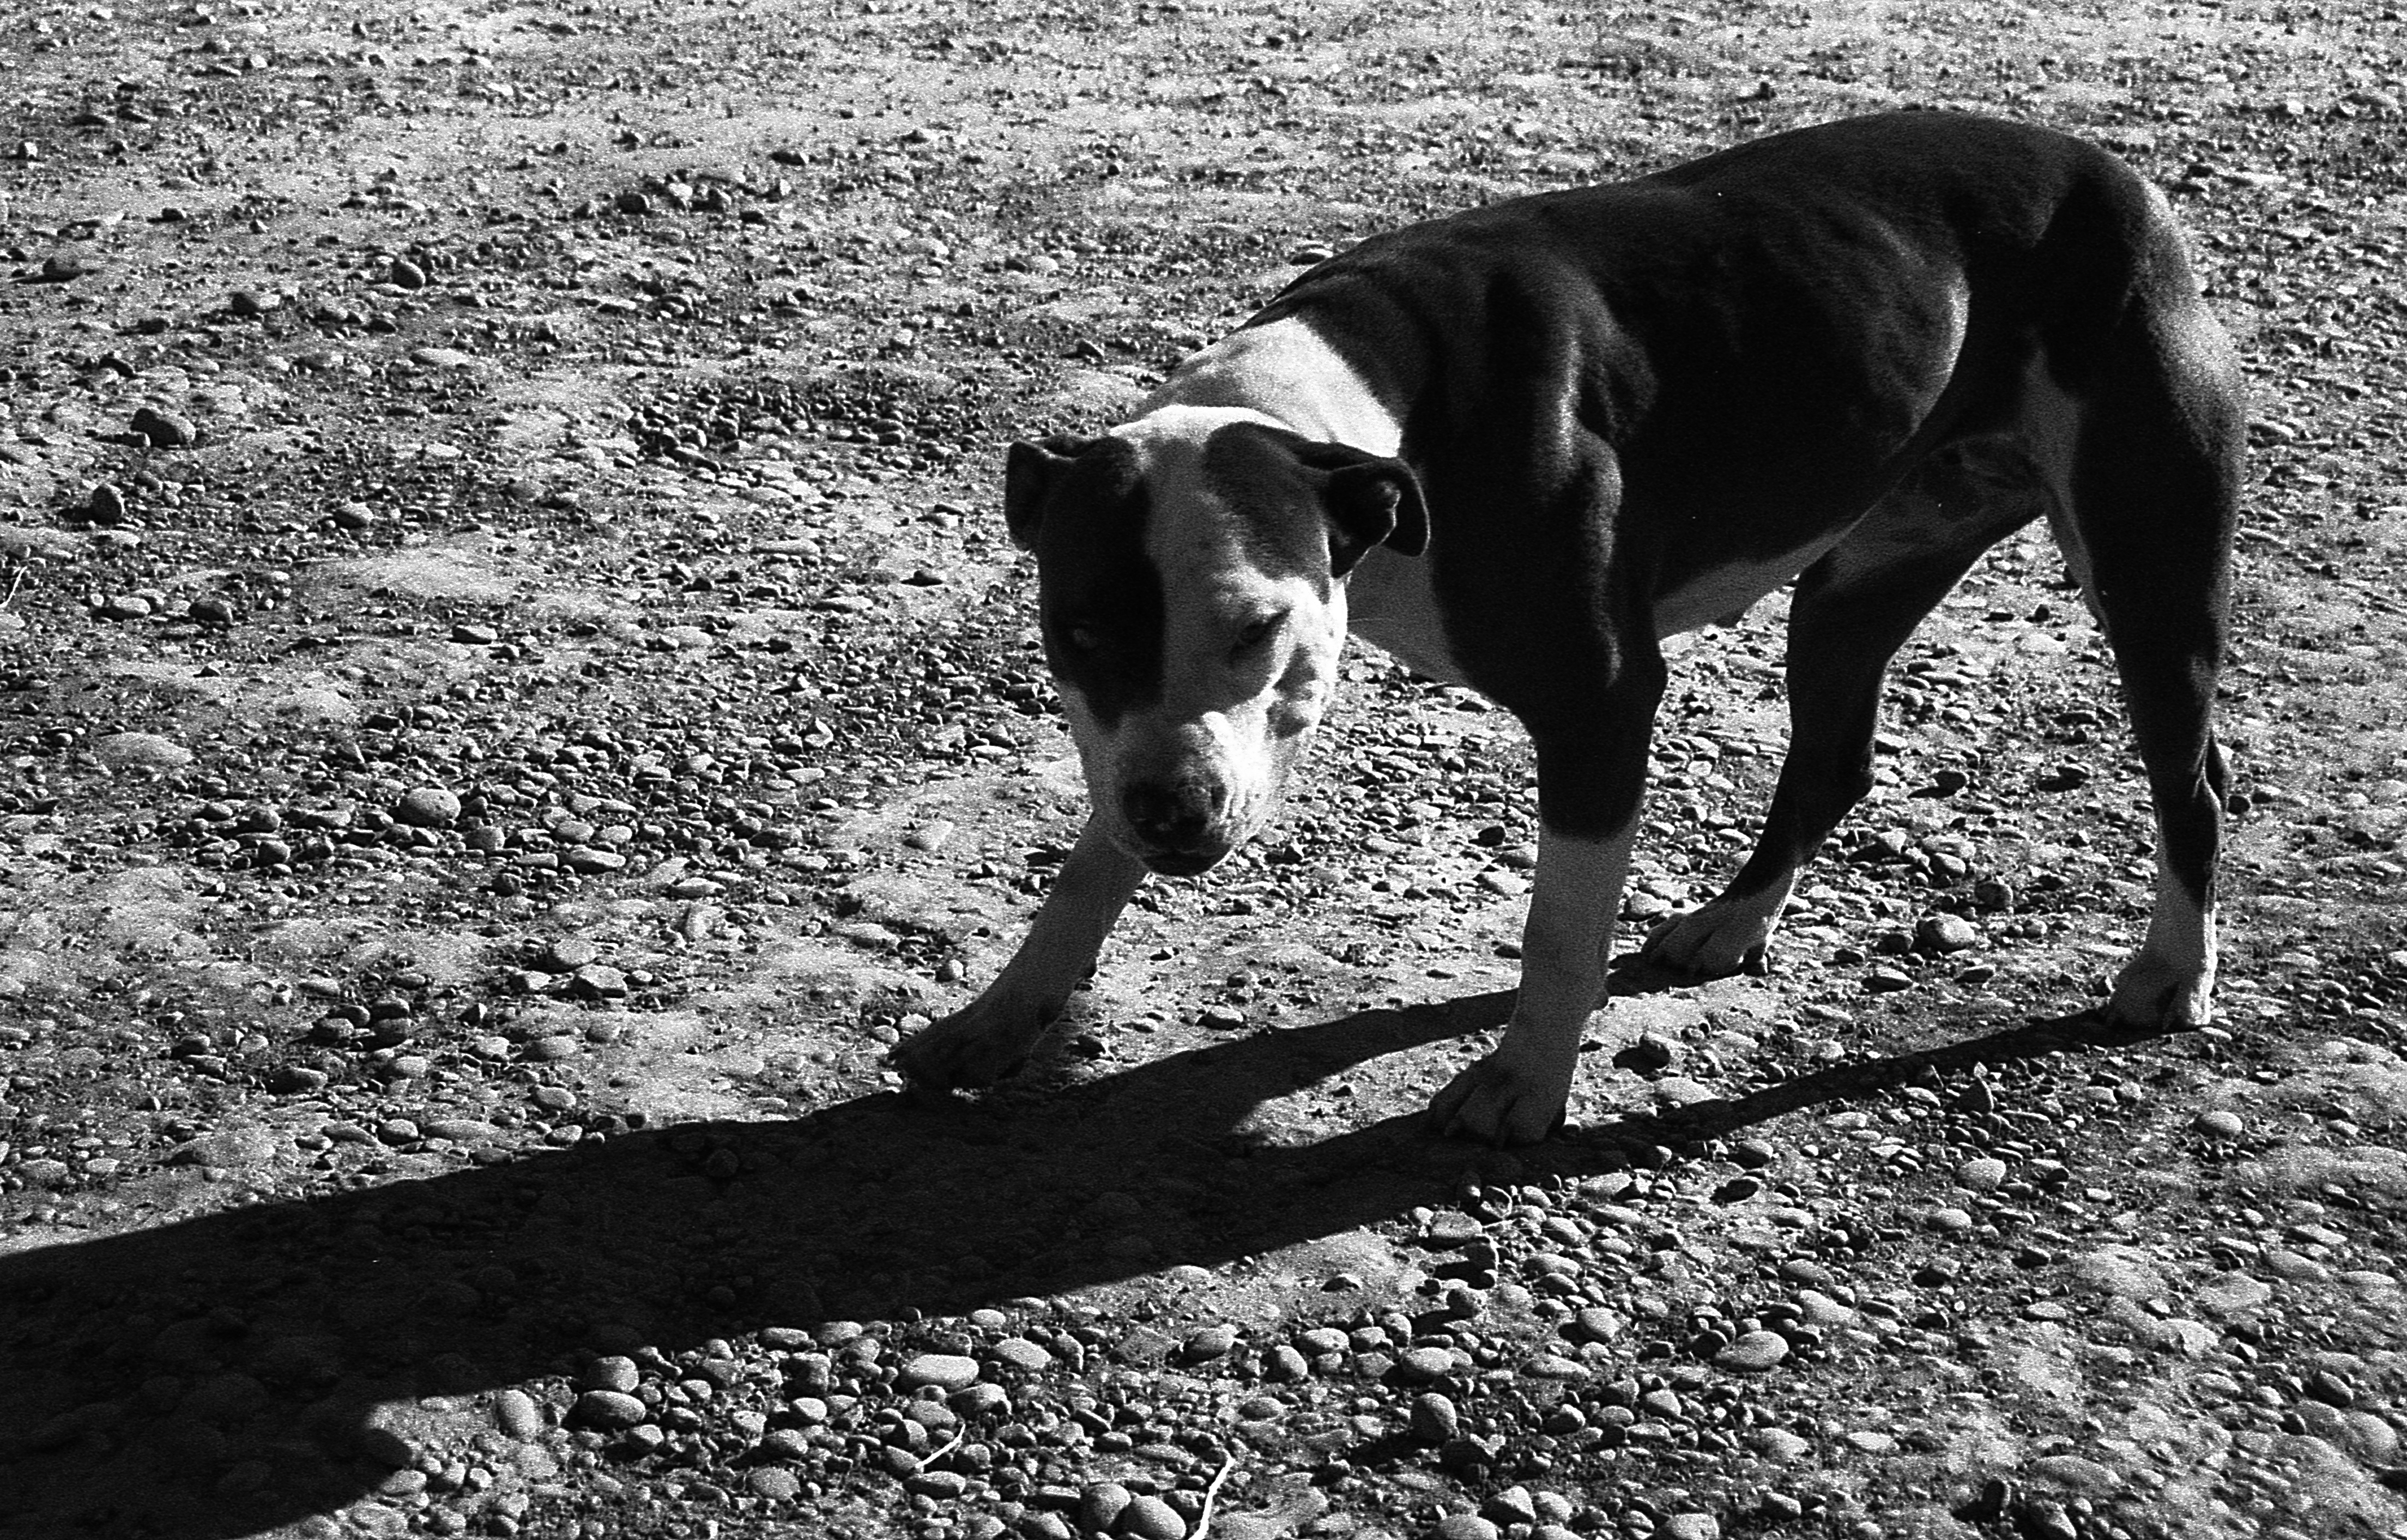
column 1030, row 471
column 1372, row 501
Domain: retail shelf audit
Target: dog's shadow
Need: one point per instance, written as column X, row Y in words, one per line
column 230, row 1373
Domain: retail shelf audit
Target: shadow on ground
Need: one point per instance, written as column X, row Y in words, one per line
column 231, row 1372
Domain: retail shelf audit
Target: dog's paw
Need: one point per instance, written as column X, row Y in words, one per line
column 2157, row 993
column 976, row 1046
column 1503, row 1100
column 1724, row 936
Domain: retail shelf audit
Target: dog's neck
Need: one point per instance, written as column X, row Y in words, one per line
column 1285, row 372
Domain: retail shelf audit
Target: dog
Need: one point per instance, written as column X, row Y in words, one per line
column 1518, row 447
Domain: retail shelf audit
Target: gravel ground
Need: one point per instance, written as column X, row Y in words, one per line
column 513, row 693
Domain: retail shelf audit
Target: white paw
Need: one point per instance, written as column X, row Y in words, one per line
column 1506, row 1098
column 1724, row 936
column 2156, row 992
column 983, row 1042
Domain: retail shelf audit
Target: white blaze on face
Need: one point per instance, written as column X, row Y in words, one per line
column 1231, row 713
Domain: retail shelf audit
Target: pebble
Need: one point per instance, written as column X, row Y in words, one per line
column 516, row 1414
column 1948, row 1221
column 105, row 504
column 1022, row 1354
column 1207, row 1342
column 141, row 750
column 1753, row 1353
column 774, row 1482
column 1780, row 1444
column 404, row 274
column 163, row 430
column 931, row 836
column 609, row 1411
column 613, row 1373
column 1513, row 1505
column 1101, row 1504
column 1981, row 1174
column 428, row 807
column 1463, row 1526
column 2220, row 1123
column 1148, row 1517
column 946, row 1371
column 1434, row 1417
column 1690, row 1526
column 1946, row 932
column 1422, row 1365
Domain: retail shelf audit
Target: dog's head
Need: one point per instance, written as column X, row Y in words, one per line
column 1190, row 567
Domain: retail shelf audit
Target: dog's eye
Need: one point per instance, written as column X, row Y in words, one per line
column 1257, row 632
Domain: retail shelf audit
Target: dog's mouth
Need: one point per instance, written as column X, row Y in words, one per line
column 1184, row 863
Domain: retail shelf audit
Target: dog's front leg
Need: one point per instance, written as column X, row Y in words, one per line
column 993, row 1035
column 1515, row 1095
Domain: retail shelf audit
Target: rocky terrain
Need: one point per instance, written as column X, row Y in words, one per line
column 513, row 694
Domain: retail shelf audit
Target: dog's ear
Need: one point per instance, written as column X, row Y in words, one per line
column 1030, row 471
column 1372, row 501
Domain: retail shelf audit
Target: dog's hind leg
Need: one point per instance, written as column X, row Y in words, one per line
column 2155, row 498
column 1852, row 610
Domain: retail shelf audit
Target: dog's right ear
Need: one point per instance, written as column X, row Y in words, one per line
column 1030, row 471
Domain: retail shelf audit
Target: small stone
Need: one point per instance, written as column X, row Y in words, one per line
column 1023, row 1355
column 611, row 1373
column 1981, row 1174
column 1944, row 934
column 1434, row 1417
column 105, row 504
column 1148, row 1517
column 473, row 635
column 568, row 953
column 1207, row 1342
column 609, row 1410
column 516, row 1414
column 1282, row 1362
column 1513, row 1505
column 1779, row 1443
column 163, row 430
column 1597, row 1324
column 1463, row 1526
column 2220, row 1123
column 1101, row 1504
column 141, row 750
column 774, row 1482
column 405, row 274
column 944, row 1486
column 1887, row 981
column 599, row 981
column 1753, row 1353
column 931, row 836
column 980, row 1400
column 1948, row 1221
column 1690, row 1526
column 946, row 1371
column 428, row 807
column 62, row 268
column 1652, row 1051
column 1423, row 1366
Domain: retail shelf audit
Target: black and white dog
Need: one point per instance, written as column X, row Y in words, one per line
column 1518, row 447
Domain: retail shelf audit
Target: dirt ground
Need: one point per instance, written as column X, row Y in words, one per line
column 513, row 694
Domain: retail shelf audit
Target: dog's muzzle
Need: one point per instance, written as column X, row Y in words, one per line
column 1177, row 825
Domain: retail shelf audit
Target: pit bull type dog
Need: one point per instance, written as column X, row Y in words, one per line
column 1518, row 447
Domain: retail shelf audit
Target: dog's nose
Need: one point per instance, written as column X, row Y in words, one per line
column 1173, row 815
